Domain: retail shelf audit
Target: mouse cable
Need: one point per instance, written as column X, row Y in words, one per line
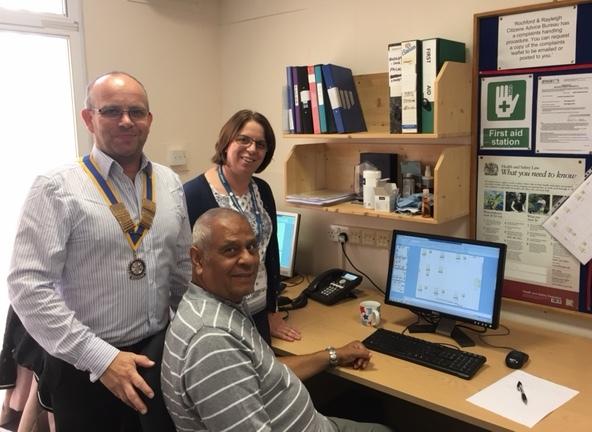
column 358, row 270
column 484, row 335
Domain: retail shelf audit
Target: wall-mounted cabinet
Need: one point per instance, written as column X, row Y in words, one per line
column 329, row 165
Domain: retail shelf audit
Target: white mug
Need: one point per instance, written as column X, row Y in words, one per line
column 370, row 313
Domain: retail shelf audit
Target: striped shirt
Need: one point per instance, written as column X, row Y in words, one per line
column 219, row 375
column 69, row 280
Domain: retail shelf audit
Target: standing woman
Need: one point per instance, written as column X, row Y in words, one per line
column 245, row 146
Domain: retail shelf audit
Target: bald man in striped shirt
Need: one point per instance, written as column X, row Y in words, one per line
column 217, row 372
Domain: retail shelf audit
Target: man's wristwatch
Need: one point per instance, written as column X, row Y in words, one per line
column 332, row 356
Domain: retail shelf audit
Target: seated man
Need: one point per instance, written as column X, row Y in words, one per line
column 217, row 372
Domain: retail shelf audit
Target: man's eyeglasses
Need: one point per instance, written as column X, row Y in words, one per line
column 114, row 112
column 246, row 141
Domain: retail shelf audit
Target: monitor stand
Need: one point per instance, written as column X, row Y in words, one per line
column 445, row 327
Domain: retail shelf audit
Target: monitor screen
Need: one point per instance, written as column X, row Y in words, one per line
column 446, row 278
column 287, row 233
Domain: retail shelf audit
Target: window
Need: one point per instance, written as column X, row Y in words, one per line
column 48, row 6
column 42, row 83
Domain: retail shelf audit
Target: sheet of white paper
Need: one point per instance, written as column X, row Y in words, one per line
column 570, row 224
column 503, row 398
column 564, row 114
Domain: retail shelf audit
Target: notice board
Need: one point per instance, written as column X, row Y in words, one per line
column 532, row 142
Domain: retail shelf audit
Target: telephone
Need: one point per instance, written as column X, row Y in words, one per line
column 333, row 285
column 328, row 288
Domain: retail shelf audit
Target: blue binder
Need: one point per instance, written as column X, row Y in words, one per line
column 343, row 96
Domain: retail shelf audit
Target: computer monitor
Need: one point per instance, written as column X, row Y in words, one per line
column 287, row 234
column 445, row 280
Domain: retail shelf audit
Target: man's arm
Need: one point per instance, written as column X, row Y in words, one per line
column 37, row 264
column 38, row 260
column 353, row 354
column 181, row 273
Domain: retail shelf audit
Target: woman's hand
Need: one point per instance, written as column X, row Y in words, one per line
column 280, row 328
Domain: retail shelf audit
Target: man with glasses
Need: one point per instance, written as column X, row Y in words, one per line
column 100, row 258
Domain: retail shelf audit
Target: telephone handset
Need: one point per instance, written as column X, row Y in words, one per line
column 333, row 285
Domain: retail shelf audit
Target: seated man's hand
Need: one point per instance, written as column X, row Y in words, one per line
column 281, row 329
column 122, row 379
column 354, row 354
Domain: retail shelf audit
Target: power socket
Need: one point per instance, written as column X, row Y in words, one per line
column 361, row 236
column 355, row 235
column 383, row 239
column 368, row 237
column 335, row 230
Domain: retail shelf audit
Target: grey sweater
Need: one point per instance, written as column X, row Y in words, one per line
column 219, row 375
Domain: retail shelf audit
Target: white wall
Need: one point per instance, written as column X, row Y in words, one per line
column 172, row 46
column 259, row 38
column 202, row 60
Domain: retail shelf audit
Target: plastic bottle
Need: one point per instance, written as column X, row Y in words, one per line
column 408, row 184
column 426, row 208
column 427, row 180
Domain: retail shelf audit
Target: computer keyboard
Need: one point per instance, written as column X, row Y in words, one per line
column 443, row 358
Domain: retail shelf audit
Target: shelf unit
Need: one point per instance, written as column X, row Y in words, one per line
column 328, row 163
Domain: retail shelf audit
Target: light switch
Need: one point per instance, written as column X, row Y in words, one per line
column 177, row 157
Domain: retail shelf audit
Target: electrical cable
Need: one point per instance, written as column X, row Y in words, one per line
column 507, row 329
column 427, row 318
column 293, row 281
column 357, row 269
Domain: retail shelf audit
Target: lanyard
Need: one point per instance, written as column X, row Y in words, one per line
column 237, row 205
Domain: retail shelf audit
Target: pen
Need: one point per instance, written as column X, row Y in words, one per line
column 521, row 390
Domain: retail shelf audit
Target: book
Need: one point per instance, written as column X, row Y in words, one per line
column 304, row 99
column 394, row 76
column 326, row 121
column 296, row 112
column 314, row 100
column 344, row 99
column 410, row 86
column 290, row 97
column 435, row 52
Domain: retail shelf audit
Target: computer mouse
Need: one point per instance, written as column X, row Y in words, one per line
column 516, row 359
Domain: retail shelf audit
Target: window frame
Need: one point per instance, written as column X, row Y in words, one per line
column 68, row 26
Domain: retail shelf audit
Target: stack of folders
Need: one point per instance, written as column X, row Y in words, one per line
column 413, row 67
column 322, row 197
column 322, row 99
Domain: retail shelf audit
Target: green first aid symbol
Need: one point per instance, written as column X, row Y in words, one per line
column 506, row 100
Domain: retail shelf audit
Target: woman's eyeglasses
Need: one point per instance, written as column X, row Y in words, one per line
column 246, row 141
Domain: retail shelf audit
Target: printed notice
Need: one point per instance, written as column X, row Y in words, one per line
column 540, row 38
column 564, row 114
column 570, row 224
column 515, row 196
column 506, row 112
